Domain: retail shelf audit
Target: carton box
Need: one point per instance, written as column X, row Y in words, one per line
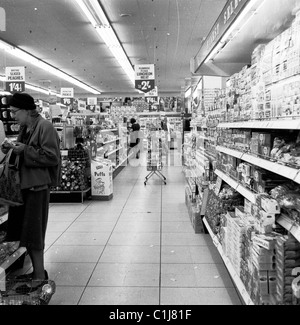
column 264, row 241
column 268, row 204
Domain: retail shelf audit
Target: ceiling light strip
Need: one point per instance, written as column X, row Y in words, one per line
column 20, row 54
column 99, row 20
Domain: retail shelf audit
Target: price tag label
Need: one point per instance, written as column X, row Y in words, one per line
column 15, row 87
column 145, row 85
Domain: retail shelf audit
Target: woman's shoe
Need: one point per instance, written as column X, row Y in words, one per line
column 29, row 276
column 26, row 289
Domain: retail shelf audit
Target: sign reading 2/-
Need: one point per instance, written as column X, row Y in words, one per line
column 144, row 77
column 145, row 85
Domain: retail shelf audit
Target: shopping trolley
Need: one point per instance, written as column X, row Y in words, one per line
column 154, row 156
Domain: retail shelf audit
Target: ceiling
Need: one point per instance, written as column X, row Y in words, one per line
column 167, row 33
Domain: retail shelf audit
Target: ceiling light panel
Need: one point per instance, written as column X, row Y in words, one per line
column 99, row 20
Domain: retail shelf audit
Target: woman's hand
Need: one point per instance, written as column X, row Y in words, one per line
column 19, row 148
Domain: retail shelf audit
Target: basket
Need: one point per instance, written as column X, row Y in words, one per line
column 9, row 295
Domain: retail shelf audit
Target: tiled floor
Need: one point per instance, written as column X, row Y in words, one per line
column 137, row 249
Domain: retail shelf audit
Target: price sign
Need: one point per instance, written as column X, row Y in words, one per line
column 144, row 77
column 144, row 85
column 15, row 87
column 67, row 101
column 67, row 92
column 15, row 79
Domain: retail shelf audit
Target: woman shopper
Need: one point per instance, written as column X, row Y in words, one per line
column 135, row 139
column 38, row 146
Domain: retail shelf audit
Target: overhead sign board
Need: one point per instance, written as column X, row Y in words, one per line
column 227, row 16
column 144, row 77
column 67, row 92
column 67, row 101
column 15, row 79
column 92, row 101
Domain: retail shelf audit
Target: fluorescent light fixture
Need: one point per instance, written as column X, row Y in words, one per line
column 199, row 85
column 20, row 54
column 236, row 26
column 188, row 93
column 42, row 90
column 98, row 18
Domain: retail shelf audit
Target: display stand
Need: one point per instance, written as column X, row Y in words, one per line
column 154, row 156
column 102, row 179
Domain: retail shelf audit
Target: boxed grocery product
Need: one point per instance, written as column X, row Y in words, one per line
column 265, row 241
column 267, row 203
column 264, row 257
column 247, row 206
column 264, row 151
column 240, row 213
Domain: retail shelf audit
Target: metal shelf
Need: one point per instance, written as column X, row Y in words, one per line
column 285, row 171
column 110, row 141
column 289, row 225
column 235, row 277
column 250, row 196
column 281, row 124
column 10, row 261
column 110, row 153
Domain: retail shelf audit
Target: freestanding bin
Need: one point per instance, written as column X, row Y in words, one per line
column 101, row 179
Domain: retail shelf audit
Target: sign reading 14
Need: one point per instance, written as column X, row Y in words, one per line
column 14, row 87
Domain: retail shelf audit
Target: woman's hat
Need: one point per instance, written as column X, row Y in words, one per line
column 22, row 101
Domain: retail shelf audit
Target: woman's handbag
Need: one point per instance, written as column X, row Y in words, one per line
column 10, row 184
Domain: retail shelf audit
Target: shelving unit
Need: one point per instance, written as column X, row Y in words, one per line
column 70, row 196
column 235, row 277
column 289, row 225
column 237, row 186
column 9, row 261
column 285, row 171
column 260, row 95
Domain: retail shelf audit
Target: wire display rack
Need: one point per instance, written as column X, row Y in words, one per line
column 154, row 155
column 15, row 292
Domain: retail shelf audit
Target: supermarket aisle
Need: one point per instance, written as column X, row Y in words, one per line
column 139, row 248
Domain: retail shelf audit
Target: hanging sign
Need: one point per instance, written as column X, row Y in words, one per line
column 81, row 105
column 67, row 92
column 67, row 101
column 144, row 77
column 231, row 10
column 92, row 101
column 15, row 79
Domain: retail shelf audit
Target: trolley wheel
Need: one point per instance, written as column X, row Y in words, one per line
column 144, row 183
